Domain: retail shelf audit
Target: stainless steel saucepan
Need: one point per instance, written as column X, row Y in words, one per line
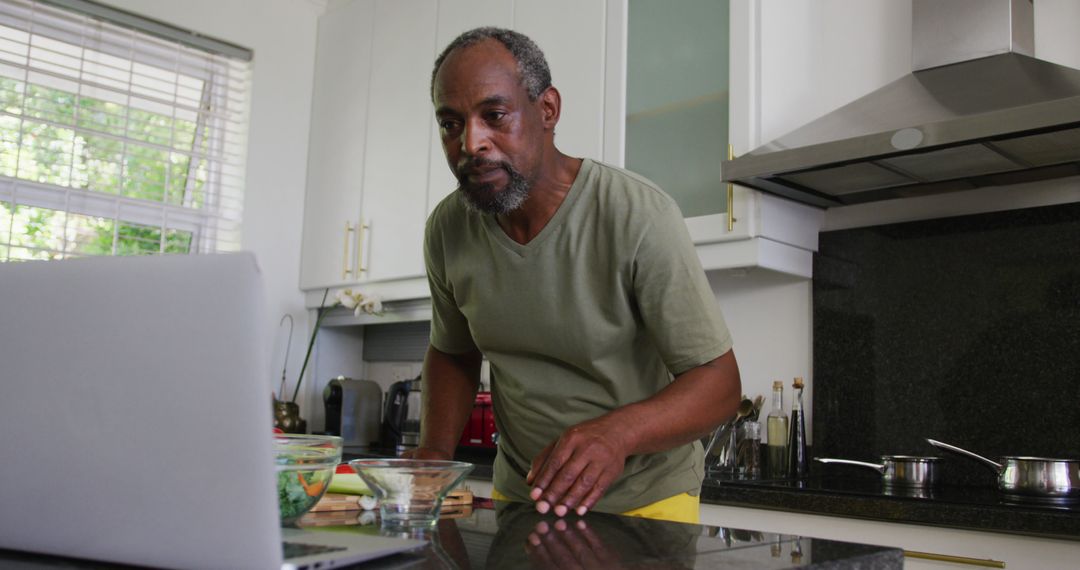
column 898, row 470
column 1037, row 477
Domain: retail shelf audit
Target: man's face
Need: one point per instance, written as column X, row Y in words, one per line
column 491, row 133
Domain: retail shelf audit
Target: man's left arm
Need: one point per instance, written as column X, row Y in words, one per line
column 575, row 471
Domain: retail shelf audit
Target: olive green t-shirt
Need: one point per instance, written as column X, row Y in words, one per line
column 599, row 310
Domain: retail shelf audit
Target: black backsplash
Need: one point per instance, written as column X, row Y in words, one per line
column 964, row 329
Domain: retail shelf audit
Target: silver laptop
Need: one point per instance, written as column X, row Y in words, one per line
column 135, row 417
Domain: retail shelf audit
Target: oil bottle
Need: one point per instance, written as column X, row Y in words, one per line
column 798, row 462
column 776, row 426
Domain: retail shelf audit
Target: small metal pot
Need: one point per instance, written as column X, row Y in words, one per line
column 898, row 470
column 1056, row 480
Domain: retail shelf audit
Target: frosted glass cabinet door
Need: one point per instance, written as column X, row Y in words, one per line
column 677, row 99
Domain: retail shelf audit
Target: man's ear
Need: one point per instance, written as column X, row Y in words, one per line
column 550, row 106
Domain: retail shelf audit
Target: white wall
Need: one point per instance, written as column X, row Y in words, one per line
column 769, row 315
column 813, row 57
column 282, row 35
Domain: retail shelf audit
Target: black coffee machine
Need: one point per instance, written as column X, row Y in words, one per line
column 401, row 416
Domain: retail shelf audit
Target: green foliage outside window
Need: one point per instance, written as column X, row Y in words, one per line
column 55, row 137
column 37, row 233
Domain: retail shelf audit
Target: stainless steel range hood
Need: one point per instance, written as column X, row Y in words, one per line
column 978, row 110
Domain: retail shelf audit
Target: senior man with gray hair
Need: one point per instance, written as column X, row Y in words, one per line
column 578, row 282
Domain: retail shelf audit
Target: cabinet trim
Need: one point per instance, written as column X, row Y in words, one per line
column 984, row 563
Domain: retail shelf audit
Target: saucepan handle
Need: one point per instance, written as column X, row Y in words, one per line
column 875, row 466
column 997, row 467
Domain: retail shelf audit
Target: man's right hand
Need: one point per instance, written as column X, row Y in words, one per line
column 573, row 472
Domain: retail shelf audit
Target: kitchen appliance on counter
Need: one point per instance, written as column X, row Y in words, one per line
column 480, row 431
column 401, row 416
column 353, row 411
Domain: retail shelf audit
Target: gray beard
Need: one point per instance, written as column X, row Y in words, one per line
column 484, row 199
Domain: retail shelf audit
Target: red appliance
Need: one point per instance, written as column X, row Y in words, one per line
column 480, row 428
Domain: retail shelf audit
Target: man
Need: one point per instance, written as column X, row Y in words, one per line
column 579, row 283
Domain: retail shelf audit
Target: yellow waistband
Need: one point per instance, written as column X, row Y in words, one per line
column 683, row 508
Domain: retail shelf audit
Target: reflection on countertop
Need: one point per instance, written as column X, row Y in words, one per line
column 514, row 535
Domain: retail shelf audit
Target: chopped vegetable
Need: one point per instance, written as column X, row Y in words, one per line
column 312, row 489
column 298, row 491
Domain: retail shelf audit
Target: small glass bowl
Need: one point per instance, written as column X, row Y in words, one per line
column 305, row 464
column 410, row 491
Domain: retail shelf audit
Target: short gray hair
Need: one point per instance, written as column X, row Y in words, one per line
column 531, row 63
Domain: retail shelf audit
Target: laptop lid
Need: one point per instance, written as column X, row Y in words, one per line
column 135, row 411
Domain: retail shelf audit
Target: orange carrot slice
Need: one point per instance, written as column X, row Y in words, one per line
column 312, row 489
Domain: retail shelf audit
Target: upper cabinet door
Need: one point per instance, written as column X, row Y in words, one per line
column 677, row 99
column 374, row 142
column 571, row 33
column 793, row 62
column 336, row 149
column 454, row 19
column 574, row 47
column 398, row 136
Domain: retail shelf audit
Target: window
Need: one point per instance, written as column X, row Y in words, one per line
column 118, row 135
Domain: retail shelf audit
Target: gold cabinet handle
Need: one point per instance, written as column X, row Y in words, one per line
column 360, row 248
column 983, row 562
column 345, row 251
column 730, row 195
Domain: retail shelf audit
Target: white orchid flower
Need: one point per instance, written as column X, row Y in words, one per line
column 359, row 302
column 371, row 305
column 345, row 297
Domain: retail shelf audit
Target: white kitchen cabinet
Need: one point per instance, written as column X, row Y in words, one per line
column 766, row 232
column 1017, row 552
column 750, row 229
column 455, row 18
column 398, row 133
column 371, row 124
column 677, row 99
column 574, row 48
column 376, row 167
column 571, row 33
column 794, row 62
column 332, row 209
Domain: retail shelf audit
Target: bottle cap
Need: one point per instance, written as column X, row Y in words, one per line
column 777, row 384
column 798, row 382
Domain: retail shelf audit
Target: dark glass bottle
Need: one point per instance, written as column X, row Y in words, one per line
column 798, row 462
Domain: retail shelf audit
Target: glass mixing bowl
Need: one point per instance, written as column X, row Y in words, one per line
column 305, row 464
column 410, row 491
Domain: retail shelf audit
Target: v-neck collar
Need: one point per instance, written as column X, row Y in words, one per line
column 523, row 249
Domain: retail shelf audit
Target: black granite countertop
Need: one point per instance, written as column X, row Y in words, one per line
column 972, row 507
column 968, row 507
column 514, row 535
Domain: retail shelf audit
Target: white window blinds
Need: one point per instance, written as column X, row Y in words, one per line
column 114, row 141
